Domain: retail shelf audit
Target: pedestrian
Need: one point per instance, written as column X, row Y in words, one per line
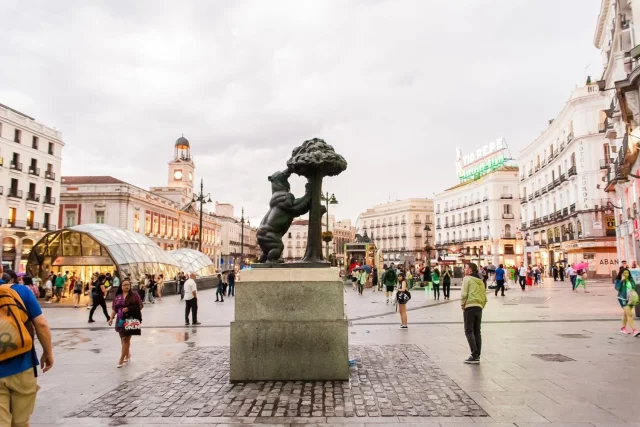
column 634, row 264
column 99, row 292
column 148, row 285
column 473, row 300
column 530, row 276
column 363, row 278
column 28, row 282
column 225, row 283
column 160, row 286
column 18, row 359
column 231, row 280
column 522, row 276
column 374, row 279
column 572, row 277
column 181, row 280
column 219, row 289
column 446, row 282
column 561, row 272
column 48, row 289
column 72, row 283
column 628, row 299
column 141, row 289
column 435, row 279
column 389, row 281
column 500, row 273
column 555, row 272
column 191, row 300
column 127, row 309
column 59, row 287
column 403, row 298
column 77, row 291
column 581, row 280
column 116, row 279
column 426, row 276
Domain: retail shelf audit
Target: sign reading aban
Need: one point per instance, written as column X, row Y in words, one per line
column 476, row 164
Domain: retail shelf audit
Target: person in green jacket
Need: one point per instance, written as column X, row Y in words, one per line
column 625, row 286
column 363, row 278
column 473, row 300
column 60, row 280
column 435, row 279
column 389, row 279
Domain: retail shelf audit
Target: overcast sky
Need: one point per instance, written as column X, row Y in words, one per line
column 395, row 86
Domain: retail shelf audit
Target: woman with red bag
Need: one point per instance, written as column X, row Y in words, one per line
column 127, row 306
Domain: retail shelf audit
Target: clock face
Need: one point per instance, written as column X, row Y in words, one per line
column 190, row 177
column 177, row 175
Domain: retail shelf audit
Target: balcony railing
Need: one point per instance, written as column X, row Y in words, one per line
column 508, row 236
column 446, row 210
column 523, row 200
column 34, row 171
column 506, row 196
column 33, row 197
column 15, row 165
column 49, row 227
column 604, row 163
column 537, row 193
column 50, row 175
column 559, row 214
column 507, row 216
column 551, row 186
column 523, row 226
column 446, row 225
column 50, row 200
column 15, row 193
column 565, row 211
column 485, row 198
column 537, row 168
column 438, row 212
column 522, row 177
column 572, row 207
column 530, row 172
column 562, row 146
column 530, row 197
column 417, row 221
column 438, row 227
column 572, row 171
column 563, row 177
column 465, row 222
column 544, row 190
column 545, row 218
column 550, row 157
column 556, row 182
column 544, row 162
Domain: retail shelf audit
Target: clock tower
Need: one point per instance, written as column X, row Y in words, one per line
column 181, row 168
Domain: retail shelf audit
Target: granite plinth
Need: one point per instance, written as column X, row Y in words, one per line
column 292, row 265
column 289, row 325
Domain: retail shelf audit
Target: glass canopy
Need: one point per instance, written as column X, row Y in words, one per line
column 193, row 261
column 96, row 245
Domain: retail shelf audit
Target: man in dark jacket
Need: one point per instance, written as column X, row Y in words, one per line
column 231, row 279
column 389, row 279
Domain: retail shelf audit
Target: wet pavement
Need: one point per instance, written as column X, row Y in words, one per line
column 519, row 382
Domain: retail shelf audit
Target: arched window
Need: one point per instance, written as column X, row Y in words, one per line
column 473, row 233
column 507, row 231
column 579, row 227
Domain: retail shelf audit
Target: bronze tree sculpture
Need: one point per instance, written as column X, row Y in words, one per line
column 283, row 208
column 315, row 159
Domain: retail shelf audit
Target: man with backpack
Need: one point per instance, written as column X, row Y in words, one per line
column 60, row 281
column 389, row 279
column 20, row 318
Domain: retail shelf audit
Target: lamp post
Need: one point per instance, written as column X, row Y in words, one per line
column 242, row 239
column 428, row 244
column 202, row 198
column 329, row 200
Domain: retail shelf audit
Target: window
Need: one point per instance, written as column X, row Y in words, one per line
column 30, row 216
column 507, row 231
column 12, row 216
column 50, row 151
column 289, row 235
column 507, row 209
column 47, row 220
column 136, row 222
column 17, row 135
column 70, row 218
column 99, row 217
column 147, row 224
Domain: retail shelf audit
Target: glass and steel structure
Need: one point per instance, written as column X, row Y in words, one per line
column 193, row 261
column 85, row 249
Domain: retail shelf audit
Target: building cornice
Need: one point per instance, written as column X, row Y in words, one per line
column 602, row 16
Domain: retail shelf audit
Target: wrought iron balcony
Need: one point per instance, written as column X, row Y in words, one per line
column 563, row 177
column 572, row 207
column 530, row 173
column 537, row 193
column 50, row 200
column 15, row 165
column 34, row 171
column 530, row 197
column 15, row 193
column 544, row 190
column 523, row 200
column 565, row 211
column 33, row 197
column 572, row 171
column 438, row 227
column 507, row 216
column 506, row 196
column 522, row 177
column 50, row 175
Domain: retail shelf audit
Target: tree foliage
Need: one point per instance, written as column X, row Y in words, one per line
column 315, row 156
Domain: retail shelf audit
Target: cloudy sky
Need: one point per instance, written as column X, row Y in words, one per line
column 394, row 85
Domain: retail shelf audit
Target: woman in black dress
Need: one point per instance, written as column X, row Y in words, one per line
column 403, row 298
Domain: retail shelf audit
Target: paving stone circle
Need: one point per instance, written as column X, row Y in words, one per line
column 398, row 380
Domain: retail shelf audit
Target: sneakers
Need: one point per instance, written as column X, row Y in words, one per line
column 624, row 330
column 636, row 333
column 472, row 360
column 387, row 301
column 197, row 323
column 404, row 327
column 91, row 321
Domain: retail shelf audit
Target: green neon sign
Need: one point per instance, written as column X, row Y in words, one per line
column 487, row 166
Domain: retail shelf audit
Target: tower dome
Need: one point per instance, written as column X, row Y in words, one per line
column 182, row 142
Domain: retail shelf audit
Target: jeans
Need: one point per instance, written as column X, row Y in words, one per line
column 219, row 292
column 573, row 281
column 500, row 286
column 523, row 281
column 360, row 288
column 149, row 296
column 472, row 320
column 181, row 289
column 191, row 305
column 436, row 291
column 98, row 300
column 446, row 289
column 232, row 289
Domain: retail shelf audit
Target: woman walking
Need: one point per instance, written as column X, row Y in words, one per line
column 99, row 292
column 446, row 282
column 374, row 279
column 403, row 298
column 220, row 289
column 628, row 299
column 581, row 280
column 160, row 286
column 77, row 291
column 435, row 279
column 127, row 306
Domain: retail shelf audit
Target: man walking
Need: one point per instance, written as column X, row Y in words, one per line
column 389, row 279
column 181, row 280
column 473, row 300
column 522, row 276
column 191, row 300
column 572, row 277
column 500, row 273
column 232, row 284
column 60, row 280
column 18, row 366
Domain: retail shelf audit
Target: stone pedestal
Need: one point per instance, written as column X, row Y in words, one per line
column 289, row 325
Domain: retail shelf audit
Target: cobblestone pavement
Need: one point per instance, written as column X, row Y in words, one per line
column 387, row 381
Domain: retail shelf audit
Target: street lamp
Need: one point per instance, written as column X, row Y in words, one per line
column 428, row 244
column 327, row 236
column 242, row 239
column 202, row 199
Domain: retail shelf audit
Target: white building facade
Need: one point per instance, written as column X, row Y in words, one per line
column 166, row 221
column 478, row 219
column 617, row 38
column 561, row 187
column 31, row 157
column 398, row 228
column 295, row 240
column 235, row 243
